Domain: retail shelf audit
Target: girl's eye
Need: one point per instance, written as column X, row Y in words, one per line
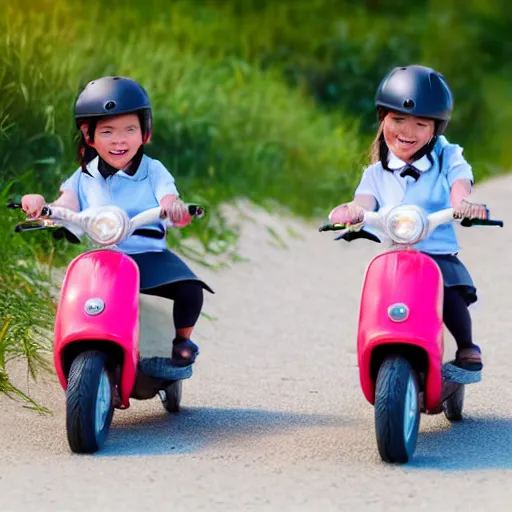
column 106, row 132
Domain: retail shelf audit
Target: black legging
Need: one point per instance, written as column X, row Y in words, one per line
column 456, row 316
column 188, row 300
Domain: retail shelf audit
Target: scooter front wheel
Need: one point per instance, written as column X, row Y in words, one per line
column 89, row 406
column 397, row 410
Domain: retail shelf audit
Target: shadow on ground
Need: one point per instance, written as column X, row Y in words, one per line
column 473, row 444
column 196, row 428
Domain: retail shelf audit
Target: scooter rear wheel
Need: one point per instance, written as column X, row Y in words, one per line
column 171, row 396
column 454, row 405
column 397, row 410
column 89, row 406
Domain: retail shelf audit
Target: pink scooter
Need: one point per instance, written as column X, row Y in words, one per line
column 96, row 335
column 400, row 334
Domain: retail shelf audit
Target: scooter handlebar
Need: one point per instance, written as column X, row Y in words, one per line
column 435, row 220
column 63, row 216
column 467, row 223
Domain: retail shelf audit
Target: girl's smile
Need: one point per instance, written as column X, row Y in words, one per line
column 117, row 139
column 405, row 135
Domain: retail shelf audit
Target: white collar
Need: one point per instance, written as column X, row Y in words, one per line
column 394, row 163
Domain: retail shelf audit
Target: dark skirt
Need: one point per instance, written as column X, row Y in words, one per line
column 161, row 268
column 456, row 274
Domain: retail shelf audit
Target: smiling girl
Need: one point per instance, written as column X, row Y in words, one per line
column 114, row 117
column 413, row 163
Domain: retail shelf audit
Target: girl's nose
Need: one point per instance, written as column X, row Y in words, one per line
column 407, row 131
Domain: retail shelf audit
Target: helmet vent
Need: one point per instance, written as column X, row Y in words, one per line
column 109, row 105
column 408, row 103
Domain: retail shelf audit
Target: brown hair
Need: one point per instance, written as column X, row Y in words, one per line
column 378, row 149
column 86, row 153
column 375, row 148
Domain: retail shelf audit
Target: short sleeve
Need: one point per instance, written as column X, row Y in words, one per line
column 368, row 183
column 456, row 165
column 162, row 180
column 72, row 182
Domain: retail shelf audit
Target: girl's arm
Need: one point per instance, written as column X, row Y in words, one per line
column 366, row 201
column 68, row 199
column 460, row 191
column 353, row 212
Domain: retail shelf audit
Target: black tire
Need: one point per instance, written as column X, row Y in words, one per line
column 84, row 380
column 395, row 444
column 454, row 405
column 171, row 396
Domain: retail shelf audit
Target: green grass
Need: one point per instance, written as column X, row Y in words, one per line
column 266, row 100
column 26, row 307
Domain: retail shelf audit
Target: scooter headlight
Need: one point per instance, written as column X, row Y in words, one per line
column 406, row 224
column 106, row 227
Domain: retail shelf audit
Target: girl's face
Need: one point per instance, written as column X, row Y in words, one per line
column 117, row 139
column 405, row 134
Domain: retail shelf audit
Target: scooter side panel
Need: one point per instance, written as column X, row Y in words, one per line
column 112, row 277
column 402, row 277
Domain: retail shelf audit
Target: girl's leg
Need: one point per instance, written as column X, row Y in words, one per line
column 188, row 301
column 458, row 321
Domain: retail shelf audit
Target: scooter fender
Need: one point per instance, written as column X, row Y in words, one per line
column 414, row 280
column 99, row 306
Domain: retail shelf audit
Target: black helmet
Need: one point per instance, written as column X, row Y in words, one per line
column 417, row 91
column 111, row 96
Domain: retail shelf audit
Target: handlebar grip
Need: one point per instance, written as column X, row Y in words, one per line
column 28, row 226
column 196, row 211
column 332, row 227
column 44, row 212
column 467, row 222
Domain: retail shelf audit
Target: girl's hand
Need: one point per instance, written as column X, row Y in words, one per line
column 174, row 209
column 471, row 210
column 32, row 205
column 348, row 213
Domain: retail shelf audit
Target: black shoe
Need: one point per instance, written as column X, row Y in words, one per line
column 184, row 352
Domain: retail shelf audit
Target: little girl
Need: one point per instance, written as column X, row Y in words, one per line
column 413, row 163
column 114, row 117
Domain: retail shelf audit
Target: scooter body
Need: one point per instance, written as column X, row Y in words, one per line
column 401, row 313
column 98, row 308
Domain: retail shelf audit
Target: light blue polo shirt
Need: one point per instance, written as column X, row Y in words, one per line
column 134, row 194
column 431, row 191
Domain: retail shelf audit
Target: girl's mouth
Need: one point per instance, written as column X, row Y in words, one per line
column 406, row 141
column 118, row 152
